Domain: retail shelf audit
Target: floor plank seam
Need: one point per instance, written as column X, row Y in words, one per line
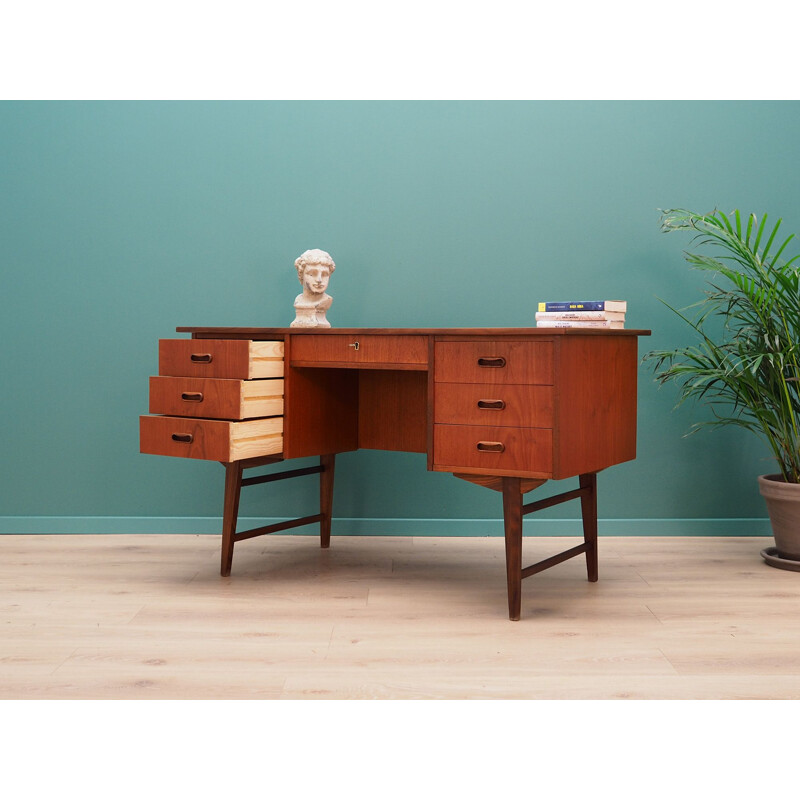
column 330, row 639
column 667, row 659
column 133, row 618
column 64, row 661
column 661, row 621
column 636, row 572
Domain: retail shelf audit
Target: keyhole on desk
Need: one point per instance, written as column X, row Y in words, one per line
column 354, row 345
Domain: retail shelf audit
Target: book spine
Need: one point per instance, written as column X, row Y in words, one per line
column 578, row 315
column 583, row 305
column 574, row 323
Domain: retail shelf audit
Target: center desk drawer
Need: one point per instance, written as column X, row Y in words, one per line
column 216, row 440
column 369, row 351
column 220, row 358
column 495, row 361
column 218, row 398
column 495, row 449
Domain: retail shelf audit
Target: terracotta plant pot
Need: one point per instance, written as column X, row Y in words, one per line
column 783, row 507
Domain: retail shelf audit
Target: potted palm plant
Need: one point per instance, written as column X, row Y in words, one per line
column 745, row 363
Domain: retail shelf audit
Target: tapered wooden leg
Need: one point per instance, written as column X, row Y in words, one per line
column 512, row 518
column 233, row 487
column 589, row 514
column 326, row 499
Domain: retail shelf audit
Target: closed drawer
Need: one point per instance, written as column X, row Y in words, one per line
column 367, row 352
column 219, row 398
column 504, row 404
column 495, row 449
column 220, row 358
column 211, row 439
column 494, row 362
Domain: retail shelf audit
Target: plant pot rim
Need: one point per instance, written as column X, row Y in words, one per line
column 775, row 488
column 776, row 478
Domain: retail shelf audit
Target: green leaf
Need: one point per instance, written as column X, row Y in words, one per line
column 769, row 241
column 758, row 234
column 723, row 218
column 782, row 248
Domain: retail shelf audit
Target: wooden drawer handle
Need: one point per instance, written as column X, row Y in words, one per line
column 498, row 361
column 183, row 437
column 499, row 405
column 192, row 397
column 201, row 358
column 491, row 447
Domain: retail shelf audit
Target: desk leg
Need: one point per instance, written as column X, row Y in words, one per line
column 326, row 498
column 233, row 486
column 512, row 518
column 589, row 514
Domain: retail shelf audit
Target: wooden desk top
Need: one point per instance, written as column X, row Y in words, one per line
column 262, row 333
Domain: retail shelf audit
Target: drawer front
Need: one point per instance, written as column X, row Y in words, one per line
column 503, row 404
column 390, row 352
column 220, row 358
column 215, row 440
column 218, row 398
column 494, row 362
column 494, row 449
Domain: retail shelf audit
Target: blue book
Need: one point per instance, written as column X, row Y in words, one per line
column 586, row 305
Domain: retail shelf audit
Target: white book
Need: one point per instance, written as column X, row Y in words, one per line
column 581, row 315
column 574, row 323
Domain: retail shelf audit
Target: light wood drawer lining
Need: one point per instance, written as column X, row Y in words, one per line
column 215, row 440
column 220, row 358
column 216, row 398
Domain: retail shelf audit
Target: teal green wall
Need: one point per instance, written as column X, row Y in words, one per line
column 121, row 220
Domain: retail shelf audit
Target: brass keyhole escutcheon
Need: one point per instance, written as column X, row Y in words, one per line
column 354, row 345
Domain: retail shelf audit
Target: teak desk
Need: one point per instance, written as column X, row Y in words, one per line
column 505, row 408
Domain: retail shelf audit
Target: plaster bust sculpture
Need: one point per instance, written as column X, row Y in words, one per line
column 314, row 269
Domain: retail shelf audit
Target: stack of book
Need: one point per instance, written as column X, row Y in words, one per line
column 582, row 314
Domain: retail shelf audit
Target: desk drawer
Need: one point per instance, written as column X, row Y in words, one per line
column 215, row 440
column 494, row 449
column 494, row 362
column 218, row 398
column 504, row 405
column 372, row 352
column 220, row 358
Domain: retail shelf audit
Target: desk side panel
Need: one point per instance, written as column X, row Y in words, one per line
column 595, row 403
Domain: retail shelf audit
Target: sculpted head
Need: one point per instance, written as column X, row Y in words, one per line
column 314, row 269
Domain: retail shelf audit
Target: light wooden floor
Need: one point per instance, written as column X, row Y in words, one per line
column 377, row 617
